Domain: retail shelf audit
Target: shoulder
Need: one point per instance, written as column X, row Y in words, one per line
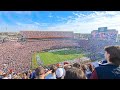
column 105, row 68
column 48, row 76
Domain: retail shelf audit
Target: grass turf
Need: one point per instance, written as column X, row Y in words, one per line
column 57, row 56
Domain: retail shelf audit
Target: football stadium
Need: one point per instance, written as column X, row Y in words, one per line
column 28, row 50
column 52, row 45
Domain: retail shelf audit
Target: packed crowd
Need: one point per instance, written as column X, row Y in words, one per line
column 47, row 34
column 18, row 55
column 107, row 69
column 95, row 46
column 56, row 71
column 16, row 58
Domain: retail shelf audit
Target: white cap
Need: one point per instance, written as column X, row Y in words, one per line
column 59, row 72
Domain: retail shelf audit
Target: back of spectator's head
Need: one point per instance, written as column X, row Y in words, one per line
column 53, row 68
column 39, row 71
column 113, row 54
column 67, row 67
column 74, row 73
column 77, row 65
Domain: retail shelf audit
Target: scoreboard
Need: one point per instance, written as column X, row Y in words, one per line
column 102, row 29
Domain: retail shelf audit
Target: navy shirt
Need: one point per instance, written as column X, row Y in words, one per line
column 107, row 71
column 33, row 75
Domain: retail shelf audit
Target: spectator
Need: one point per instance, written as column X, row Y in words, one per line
column 77, row 65
column 33, row 75
column 111, row 70
column 39, row 73
column 74, row 73
column 52, row 75
column 24, row 75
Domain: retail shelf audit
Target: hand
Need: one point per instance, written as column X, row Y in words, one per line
column 50, row 71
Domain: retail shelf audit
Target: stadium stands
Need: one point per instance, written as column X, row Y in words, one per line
column 17, row 55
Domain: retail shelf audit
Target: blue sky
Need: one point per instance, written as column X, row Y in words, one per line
column 76, row 21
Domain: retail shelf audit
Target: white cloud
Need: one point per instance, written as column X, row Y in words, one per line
column 86, row 23
column 78, row 22
column 62, row 19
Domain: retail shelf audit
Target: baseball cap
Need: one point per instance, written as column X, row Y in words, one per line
column 59, row 72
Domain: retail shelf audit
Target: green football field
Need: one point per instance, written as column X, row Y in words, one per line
column 56, row 56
